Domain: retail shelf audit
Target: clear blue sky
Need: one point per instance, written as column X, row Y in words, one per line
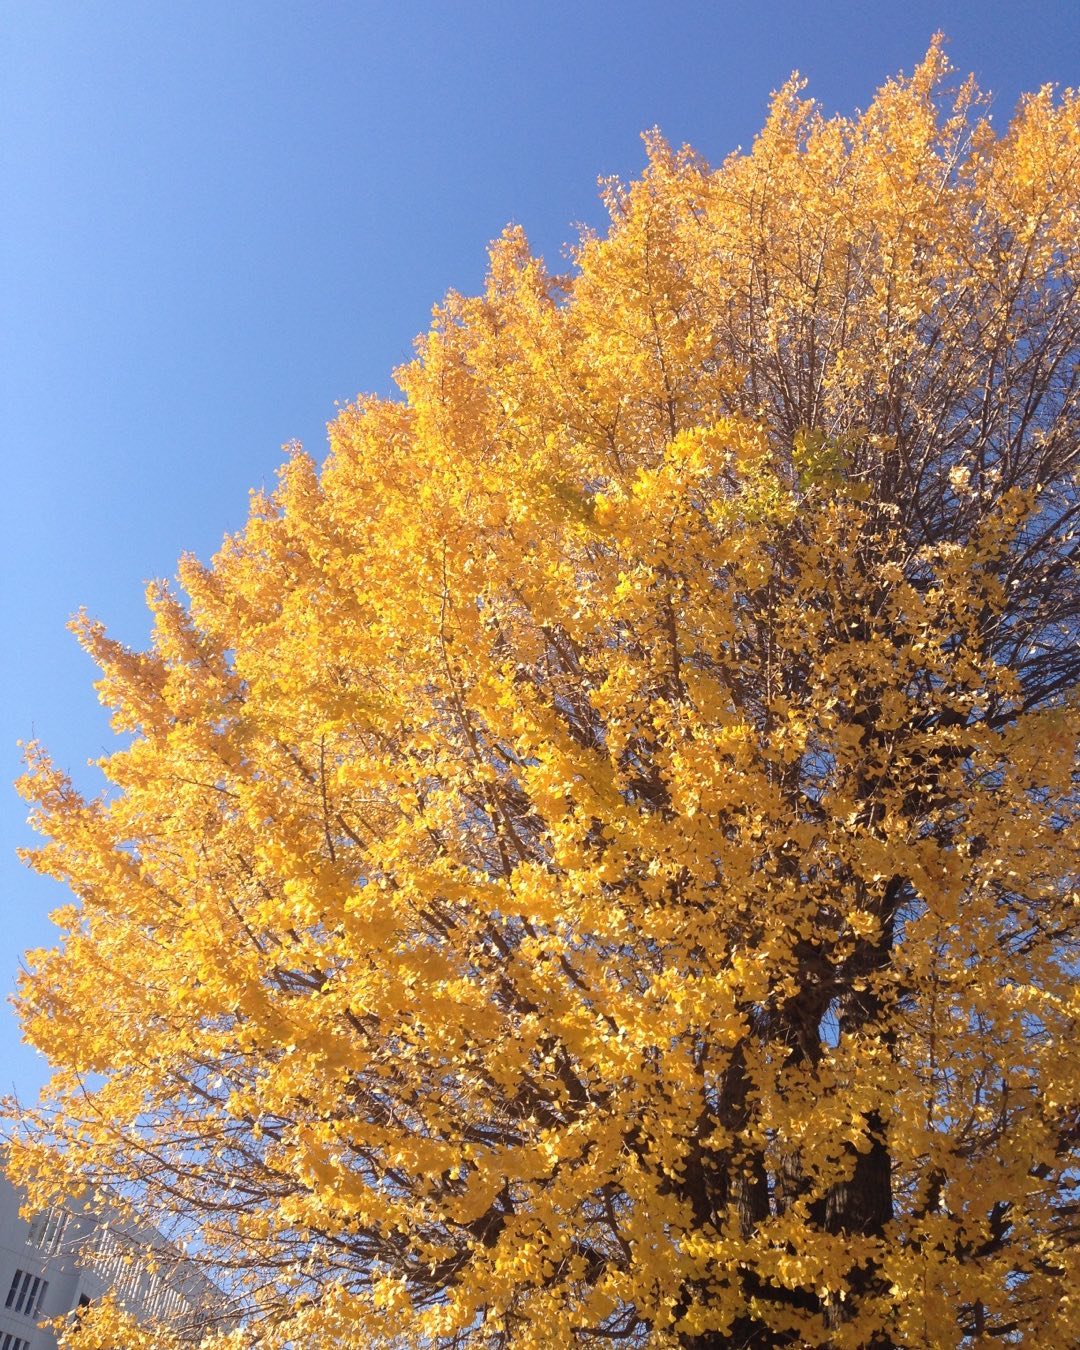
column 219, row 219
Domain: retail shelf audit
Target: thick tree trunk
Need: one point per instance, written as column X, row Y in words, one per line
column 862, row 1206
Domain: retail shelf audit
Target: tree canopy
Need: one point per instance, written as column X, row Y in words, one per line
column 595, row 862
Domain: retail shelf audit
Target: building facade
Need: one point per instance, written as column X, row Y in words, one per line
column 66, row 1258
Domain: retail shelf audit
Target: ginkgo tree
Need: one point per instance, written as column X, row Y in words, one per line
column 595, row 863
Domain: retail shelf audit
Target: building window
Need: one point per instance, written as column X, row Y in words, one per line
column 25, row 1295
column 11, row 1342
column 47, row 1231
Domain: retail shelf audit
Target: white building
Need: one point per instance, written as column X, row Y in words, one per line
column 67, row 1258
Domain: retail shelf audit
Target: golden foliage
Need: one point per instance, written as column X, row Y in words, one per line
column 593, row 863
